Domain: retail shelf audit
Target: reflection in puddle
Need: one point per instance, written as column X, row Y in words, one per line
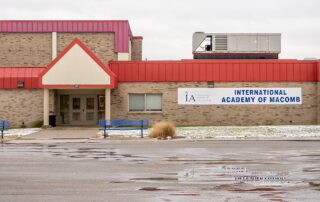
column 155, row 189
column 185, row 194
column 230, row 174
column 315, row 184
column 118, row 182
column 214, row 161
column 260, row 189
column 149, row 189
column 312, row 169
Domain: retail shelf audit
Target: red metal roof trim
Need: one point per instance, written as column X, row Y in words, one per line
column 9, row 77
column 217, row 70
column 121, row 28
column 186, row 71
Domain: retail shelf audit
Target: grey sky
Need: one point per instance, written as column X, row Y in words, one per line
column 167, row 25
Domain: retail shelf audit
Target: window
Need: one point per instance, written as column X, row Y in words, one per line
column 136, row 102
column 153, row 102
column 101, row 102
column 145, row 102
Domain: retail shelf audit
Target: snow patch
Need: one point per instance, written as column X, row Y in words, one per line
column 243, row 132
column 235, row 132
column 21, row 131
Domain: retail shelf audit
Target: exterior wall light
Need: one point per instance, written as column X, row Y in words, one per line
column 210, row 84
column 20, row 84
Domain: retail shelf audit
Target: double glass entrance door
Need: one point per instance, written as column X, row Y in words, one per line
column 83, row 110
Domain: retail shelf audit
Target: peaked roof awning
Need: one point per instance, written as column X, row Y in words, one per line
column 77, row 67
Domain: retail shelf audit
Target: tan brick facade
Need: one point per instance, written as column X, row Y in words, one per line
column 25, row 49
column 24, row 105
column 35, row 49
column 21, row 105
column 136, row 49
column 101, row 44
column 306, row 113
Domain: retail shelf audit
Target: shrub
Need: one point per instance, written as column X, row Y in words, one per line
column 163, row 130
column 37, row 124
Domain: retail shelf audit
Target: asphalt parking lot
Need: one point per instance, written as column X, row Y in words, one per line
column 152, row 170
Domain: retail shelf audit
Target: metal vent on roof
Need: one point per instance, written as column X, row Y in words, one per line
column 221, row 42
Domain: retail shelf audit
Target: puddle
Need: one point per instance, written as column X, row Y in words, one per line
column 314, row 184
column 150, row 189
column 154, row 179
column 201, row 175
column 77, row 156
column 154, row 189
column 277, row 200
column 311, row 170
column 213, row 161
column 119, row 182
column 52, row 146
column 185, row 194
column 164, row 199
column 68, row 151
column 261, row 189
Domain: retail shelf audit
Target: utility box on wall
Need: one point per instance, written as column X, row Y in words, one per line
column 236, row 45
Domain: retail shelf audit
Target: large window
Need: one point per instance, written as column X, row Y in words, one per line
column 136, row 102
column 145, row 102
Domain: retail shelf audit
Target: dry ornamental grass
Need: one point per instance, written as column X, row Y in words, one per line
column 163, row 130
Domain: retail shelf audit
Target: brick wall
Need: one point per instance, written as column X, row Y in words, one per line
column 26, row 105
column 52, row 100
column 35, row 49
column 136, row 49
column 25, row 49
column 101, row 44
column 21, row 105
column 306, row 113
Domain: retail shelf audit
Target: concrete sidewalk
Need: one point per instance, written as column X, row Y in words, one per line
column 63, row 133
column 67, row 135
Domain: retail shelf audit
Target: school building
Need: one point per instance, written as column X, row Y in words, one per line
column 81, row 71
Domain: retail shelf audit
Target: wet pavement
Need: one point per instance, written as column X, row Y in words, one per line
column 144, row 170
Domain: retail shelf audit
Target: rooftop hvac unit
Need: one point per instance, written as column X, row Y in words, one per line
column 221, row 42
column 238, row 45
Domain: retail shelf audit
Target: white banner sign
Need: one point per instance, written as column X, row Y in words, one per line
column 238, row 96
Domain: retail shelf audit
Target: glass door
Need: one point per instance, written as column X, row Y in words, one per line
column 76, row 110
column 90, row 112
column 84, row 110
column 64, row 109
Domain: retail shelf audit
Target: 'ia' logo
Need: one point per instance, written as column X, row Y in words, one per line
column 190, row 98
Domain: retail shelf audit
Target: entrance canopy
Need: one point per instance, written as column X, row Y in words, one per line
column 77, row 67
